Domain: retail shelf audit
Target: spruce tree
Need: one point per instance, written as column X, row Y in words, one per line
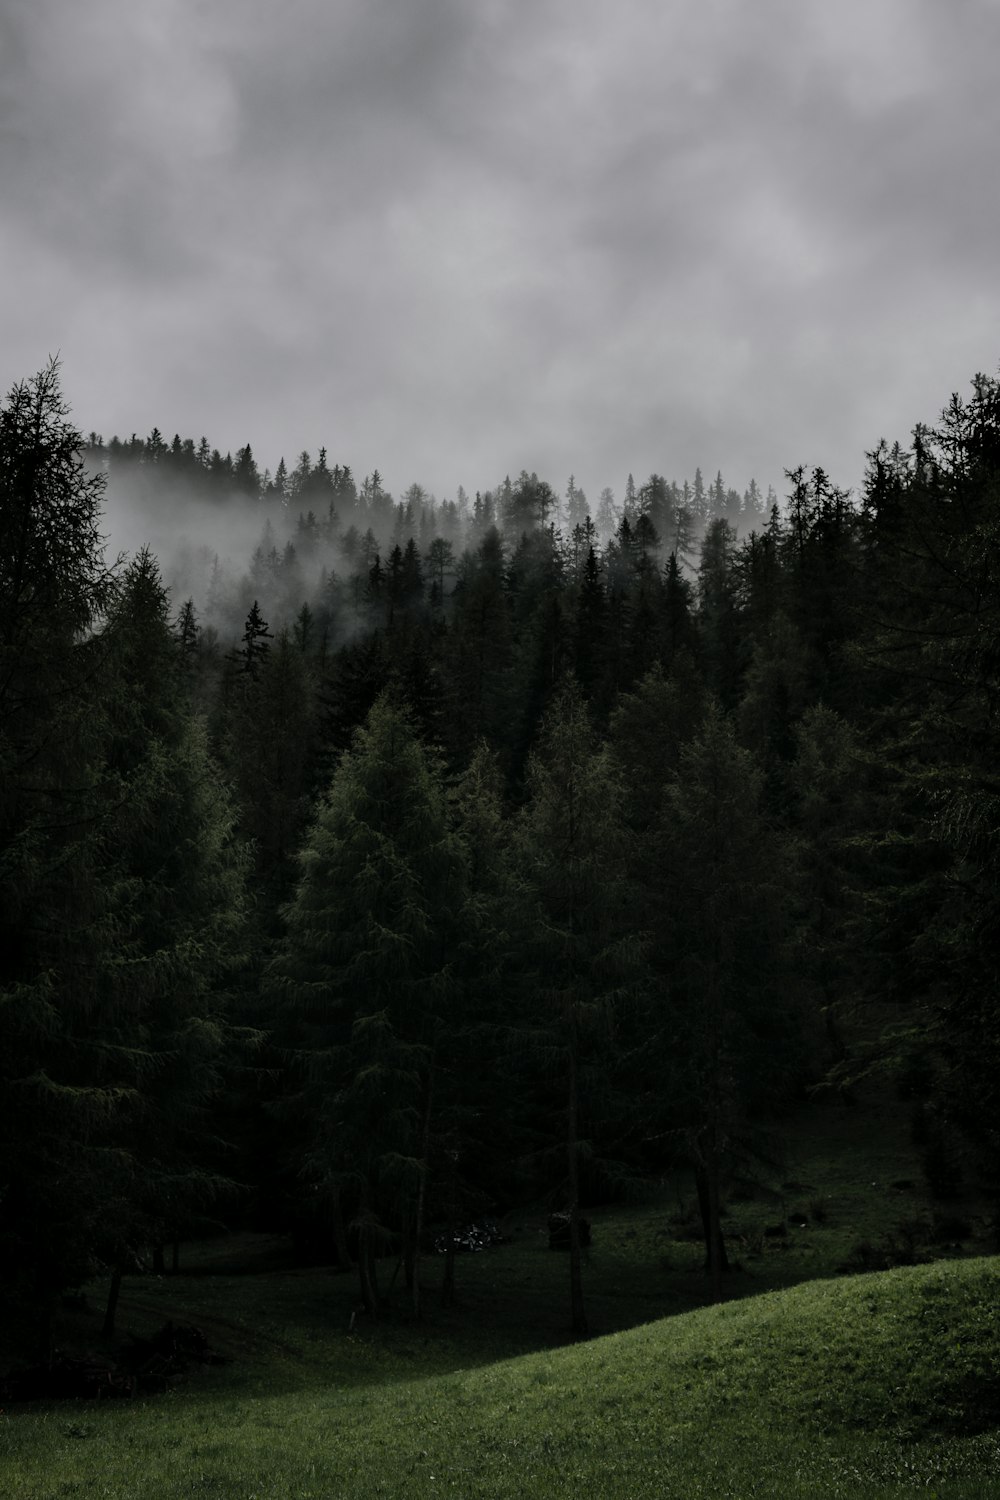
column 929, row 650
column 266, row 740
column 119, row 884
column 174, row 871
column 569, row 844
column 721, row 946
column 60, row 1094
column 365, row 980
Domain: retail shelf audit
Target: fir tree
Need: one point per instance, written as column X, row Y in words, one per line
column 255, row 638
column 569, row 844
column 728, row 1043
column 365, row 978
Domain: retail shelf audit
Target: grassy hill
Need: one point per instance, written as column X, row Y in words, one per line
column 883, row 1384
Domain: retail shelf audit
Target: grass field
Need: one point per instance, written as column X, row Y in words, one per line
column 883, row 1384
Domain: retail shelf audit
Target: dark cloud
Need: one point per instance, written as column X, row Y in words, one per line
column 452, row 240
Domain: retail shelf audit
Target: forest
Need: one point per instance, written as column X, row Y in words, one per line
column 378, row 863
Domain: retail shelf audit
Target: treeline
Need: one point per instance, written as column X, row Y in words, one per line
column 584, row 865
column 348, row 551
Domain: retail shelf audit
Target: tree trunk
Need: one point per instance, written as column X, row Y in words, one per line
column 834, row 1037
column 425, row 1148
column 710, row 1205
column 369, row 1294
column 717, row 1249
column 408, row 1255
column 43, row 1330
column 448, row 1280
column 366, row 1255
column 112, row 1304
column 372, row 1259
column 577, row 1309
column 339, row 1229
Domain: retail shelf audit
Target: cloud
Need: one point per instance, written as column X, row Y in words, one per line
column 453, row 240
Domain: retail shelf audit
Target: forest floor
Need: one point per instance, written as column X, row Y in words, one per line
column 804, row 1381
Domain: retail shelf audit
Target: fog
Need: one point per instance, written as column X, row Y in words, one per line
column 313, row 537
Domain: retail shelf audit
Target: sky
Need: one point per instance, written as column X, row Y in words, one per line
column 454, row 239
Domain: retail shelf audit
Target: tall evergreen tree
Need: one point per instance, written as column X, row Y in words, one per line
column 365, row 977
column 569, row 843
column 722, row 947
column 589, row 627
column 930, row 649
column 266, row 740
column 59, row 1096
column 718, row 618
column 120, row 886
column 254, row 641
column 174, row 870
column 480, row 649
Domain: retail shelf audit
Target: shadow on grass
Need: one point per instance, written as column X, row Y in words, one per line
column 290, row 1329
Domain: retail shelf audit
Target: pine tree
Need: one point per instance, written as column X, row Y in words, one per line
column 119, row 890
column 277, row 491
column 440, row 559
column 930, row 651
column 480, row 650
column 412, row 576
column 729, row 1039
column 699, row 500
column 576, row 504
column 174, row 872
column 255, row 638
column 650, row 726
column 58, row 1098
column 832, row 806
column 588, row 627
column 246, row 479
column 654, row 504
column 187, row 630
column 678, row 629
column 607, row 517
column 365, row 978
column 569, row 844
column 265, row 735
column 718, row 618
column 483, row 1119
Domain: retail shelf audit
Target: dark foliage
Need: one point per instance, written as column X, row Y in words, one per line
column 669, row 813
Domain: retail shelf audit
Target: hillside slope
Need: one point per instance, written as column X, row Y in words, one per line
column 885, row 1384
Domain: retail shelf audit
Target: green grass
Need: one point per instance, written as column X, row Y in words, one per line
column 886, row 1385
column 882, row 1385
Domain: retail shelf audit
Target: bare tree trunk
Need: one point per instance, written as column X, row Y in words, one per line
column 112, row 1304
column 372, row 1259
column 425, row 1149
column 339, row 1230
column 711, row 1136
column 710, row 1206
column 717, row 1248
column 369, row 1293
column 408, row 1254
column 366, row 1255
column 448, row 1280
column 577, row 1309
column 834, row 1037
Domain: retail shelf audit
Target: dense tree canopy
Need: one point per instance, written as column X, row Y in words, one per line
column 672, row 812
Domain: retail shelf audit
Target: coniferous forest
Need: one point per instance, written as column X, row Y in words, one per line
column 385, row 862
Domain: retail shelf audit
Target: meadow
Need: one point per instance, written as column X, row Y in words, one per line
column 806, row 1381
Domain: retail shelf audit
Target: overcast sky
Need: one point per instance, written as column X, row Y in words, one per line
column 457, row 238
